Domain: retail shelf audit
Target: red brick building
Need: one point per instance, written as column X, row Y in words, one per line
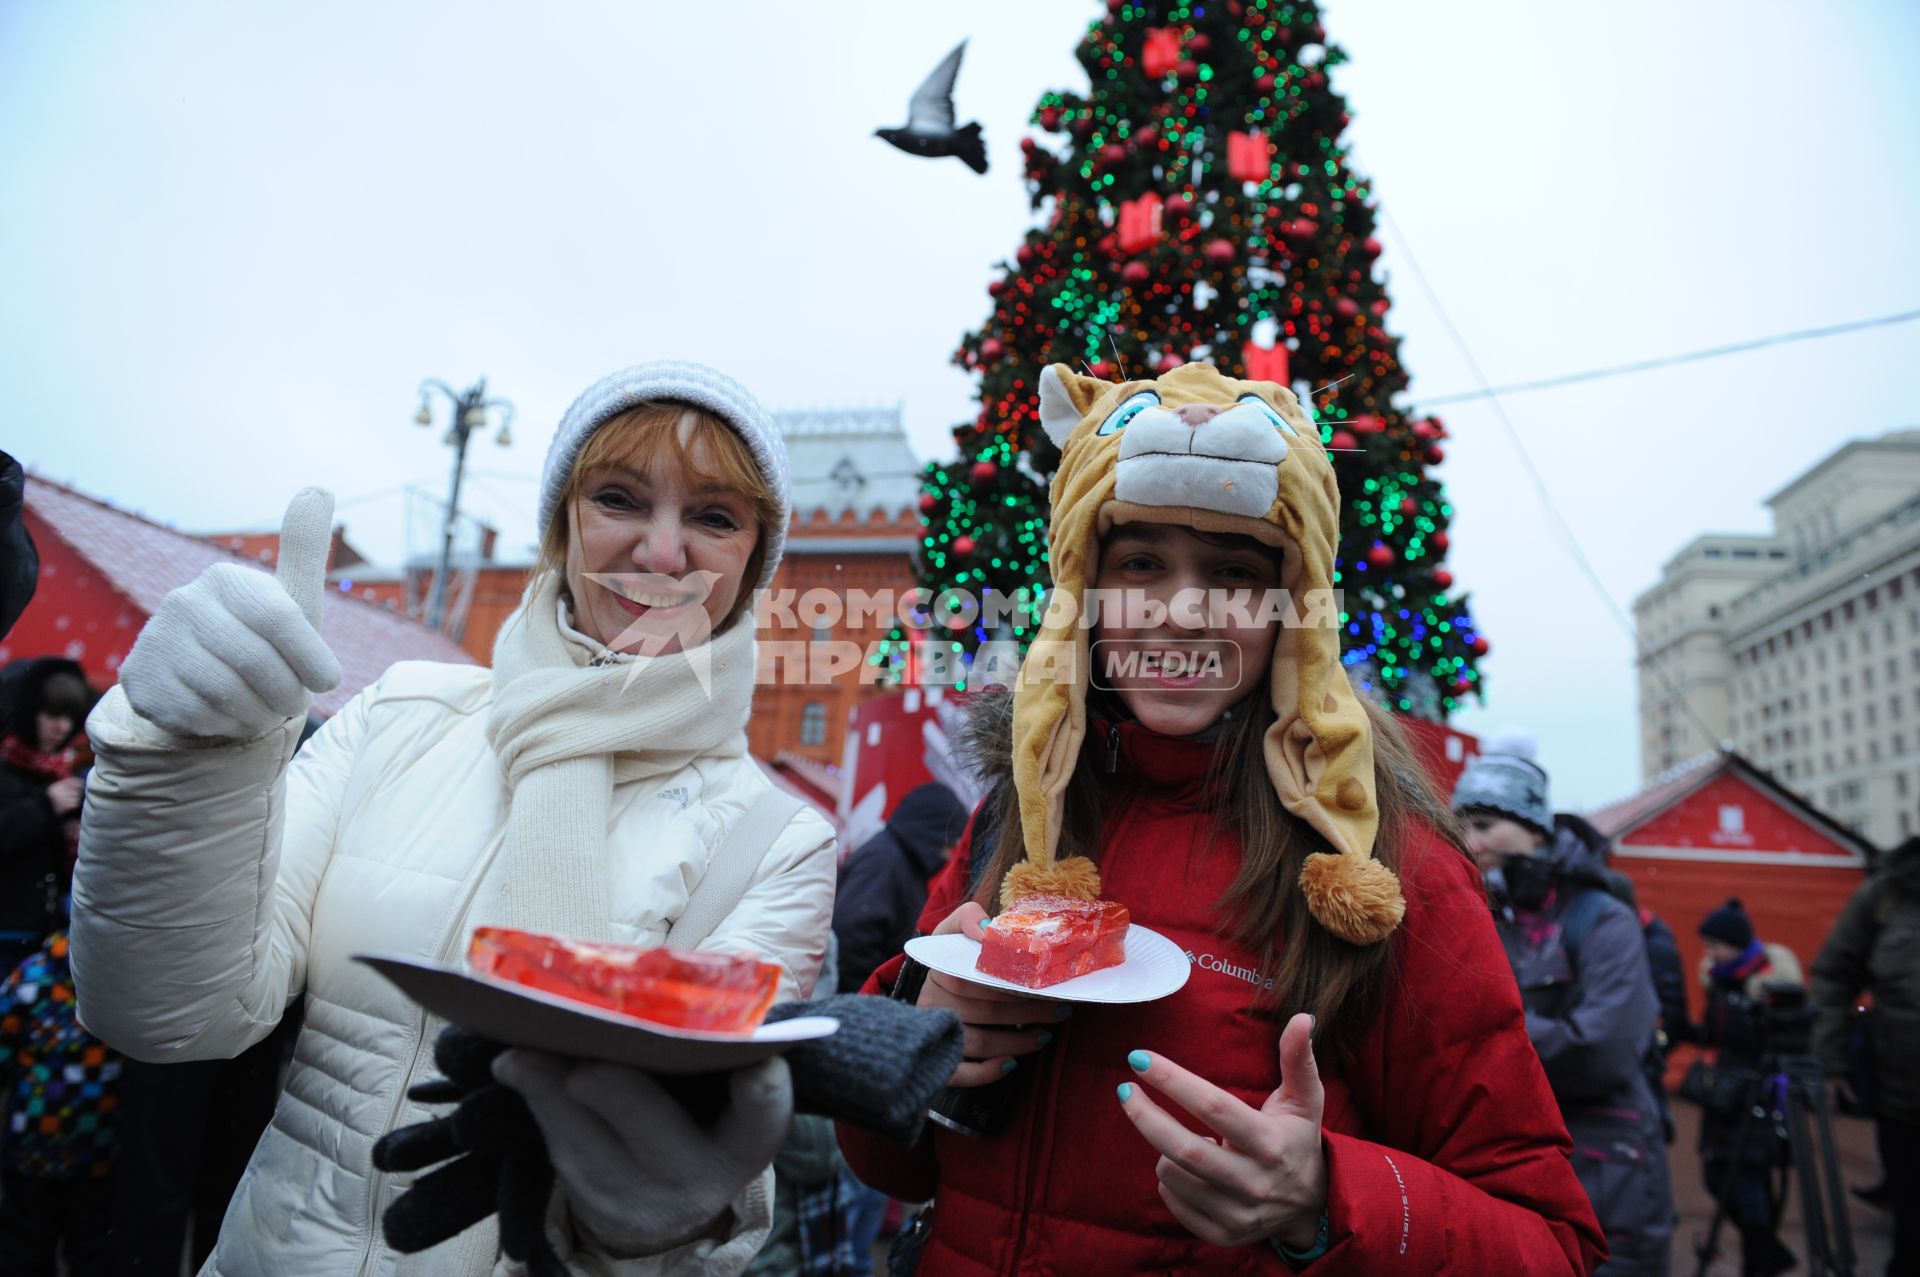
column 856, row 528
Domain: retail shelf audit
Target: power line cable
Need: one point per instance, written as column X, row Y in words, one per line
column 1668, row 361
column 1561, row 526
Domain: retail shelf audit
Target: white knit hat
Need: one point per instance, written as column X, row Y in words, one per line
column 679, row 381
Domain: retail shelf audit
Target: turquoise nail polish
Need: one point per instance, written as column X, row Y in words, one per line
column 1042, row 1038
column 1009, row 1066
column 1138, row 1061
column 1126, row 1092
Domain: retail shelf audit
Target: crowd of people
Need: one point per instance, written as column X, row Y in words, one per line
column 1423, row 1032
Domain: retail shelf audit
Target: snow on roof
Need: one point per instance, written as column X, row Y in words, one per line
column 850, row 459
column 144, row 560
column 1664, row 789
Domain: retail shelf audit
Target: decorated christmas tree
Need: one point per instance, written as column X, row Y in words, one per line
column 1197, row 204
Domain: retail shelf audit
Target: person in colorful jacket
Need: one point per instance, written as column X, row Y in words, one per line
column 56, row 1146
column 1344, row 1085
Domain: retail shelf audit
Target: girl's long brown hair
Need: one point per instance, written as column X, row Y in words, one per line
column 1311, row 969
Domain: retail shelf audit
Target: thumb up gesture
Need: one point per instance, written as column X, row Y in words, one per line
column 238, row 652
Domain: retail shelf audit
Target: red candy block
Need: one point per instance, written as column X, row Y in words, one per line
column 1043, row 940
column 679, row 988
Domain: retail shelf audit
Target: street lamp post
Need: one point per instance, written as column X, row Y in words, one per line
column 470, row 409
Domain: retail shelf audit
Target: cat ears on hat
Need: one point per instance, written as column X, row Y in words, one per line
column 1065, row 399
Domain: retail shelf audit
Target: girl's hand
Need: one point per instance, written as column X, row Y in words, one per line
column 64, row 795
column 1266, row 1176
column 999, row 1025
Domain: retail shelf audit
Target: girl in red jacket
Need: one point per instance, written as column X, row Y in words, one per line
column 1345, row 1084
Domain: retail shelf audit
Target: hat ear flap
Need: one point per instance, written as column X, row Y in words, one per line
column 1065, row 397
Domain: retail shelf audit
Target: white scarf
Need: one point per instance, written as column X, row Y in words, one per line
column 562, row 719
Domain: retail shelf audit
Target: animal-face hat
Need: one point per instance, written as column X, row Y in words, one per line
column 1252, row 465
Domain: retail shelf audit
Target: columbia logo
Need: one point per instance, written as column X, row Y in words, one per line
column 677, row 794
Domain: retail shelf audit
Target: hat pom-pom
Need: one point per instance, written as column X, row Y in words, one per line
column 1074, row 877
column 1355, row 897
column 1513, row 742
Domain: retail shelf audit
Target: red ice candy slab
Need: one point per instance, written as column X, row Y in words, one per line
column 1044, row 940
column 679, row 988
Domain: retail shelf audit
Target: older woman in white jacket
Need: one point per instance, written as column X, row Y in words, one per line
column 581, row 786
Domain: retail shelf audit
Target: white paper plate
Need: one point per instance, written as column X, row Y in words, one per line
column 519, row 1016
column 1155, row 967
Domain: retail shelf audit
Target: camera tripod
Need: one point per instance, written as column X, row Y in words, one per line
column 1787, row 1095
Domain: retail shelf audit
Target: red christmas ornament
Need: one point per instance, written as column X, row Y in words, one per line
column 963, row 547
column 1299, row 230
column 1346, row 308
column 1442, row 579
column 1372, row 246
column 1221, row 252
column 1408, row 506
column 1439, row 541
column 1368, row 424
column 1140, row 222
column 1177, row 206
column 1135, row 272
column 1112, row 153
column 1249, row 156
column 1024, row 255
column 1049, row 118
column 984, row 473
column 992, row 348
column 1435, row 454
column 1100, row 368
column 1199, row 44
column 1027, row 145
column 997, row 287
column 1462, row 686
column 1342, row 441
column 1425, row 430
column 1168, row 362
column 1265, row 364
column 1479, row 646
column 1380, row 307
column 1109, row 244
column 1159, row 51
column 1381, row 555
column 1265, row 83
column 1146, row 135
column 1314, row 80
column 928, row 503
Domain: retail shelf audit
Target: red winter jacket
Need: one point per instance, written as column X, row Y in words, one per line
column 1445, row 1148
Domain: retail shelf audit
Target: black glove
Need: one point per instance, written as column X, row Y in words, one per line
column 494, row 1161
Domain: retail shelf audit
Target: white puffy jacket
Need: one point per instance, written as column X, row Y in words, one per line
column 217, row 884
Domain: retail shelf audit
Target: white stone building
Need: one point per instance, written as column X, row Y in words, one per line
column 1801, row 649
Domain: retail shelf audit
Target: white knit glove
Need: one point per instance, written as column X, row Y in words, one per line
column 641, row 1175
column 237, row 652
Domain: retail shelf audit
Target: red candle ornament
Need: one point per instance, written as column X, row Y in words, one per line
column 1381, row 555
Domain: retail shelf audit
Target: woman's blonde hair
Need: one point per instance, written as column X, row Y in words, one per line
column 701, row 446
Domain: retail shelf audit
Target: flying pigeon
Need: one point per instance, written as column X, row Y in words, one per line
column 929, row 130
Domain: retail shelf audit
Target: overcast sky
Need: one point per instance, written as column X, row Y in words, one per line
column 233, row 239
